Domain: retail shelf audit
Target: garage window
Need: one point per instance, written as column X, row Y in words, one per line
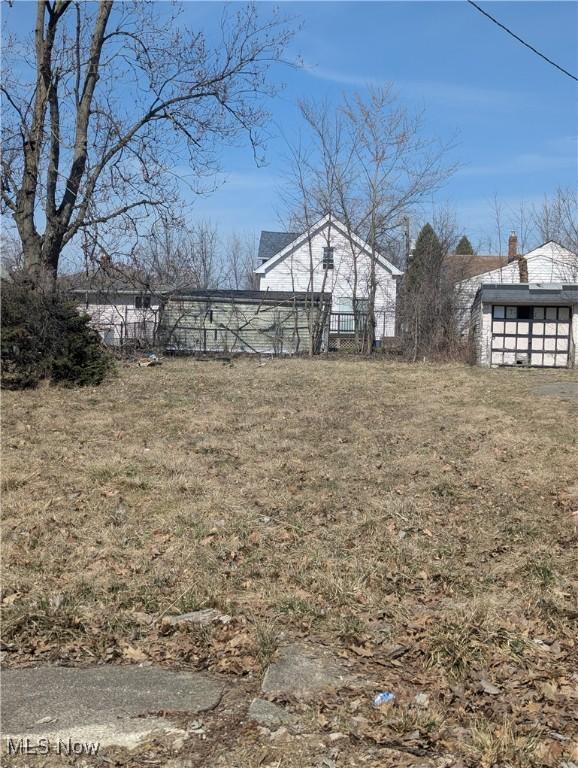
column 513, row 313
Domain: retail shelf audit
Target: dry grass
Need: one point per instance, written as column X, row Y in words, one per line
column 365, row 504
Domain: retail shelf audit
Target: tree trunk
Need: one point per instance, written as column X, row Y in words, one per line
column 41, row 263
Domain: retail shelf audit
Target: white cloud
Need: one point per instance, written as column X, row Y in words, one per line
column 425, row 90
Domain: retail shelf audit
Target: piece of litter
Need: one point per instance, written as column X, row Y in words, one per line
column 385, row 697
column 44, row 720
column 202, row 617
column 559, row 736
column 422, row 699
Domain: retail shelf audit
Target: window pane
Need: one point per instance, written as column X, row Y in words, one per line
column 361, row 305
column 344, row 304
column 328, row 258
column 499, row 311
column 511, row 313
column 538, row 313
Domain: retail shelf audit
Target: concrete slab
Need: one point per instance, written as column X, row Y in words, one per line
column 105, row 704
column 301, row 670
column 270, row 715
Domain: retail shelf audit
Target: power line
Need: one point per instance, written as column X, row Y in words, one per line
column 519, row 39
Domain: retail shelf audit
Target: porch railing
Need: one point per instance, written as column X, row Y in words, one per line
column 346, row 323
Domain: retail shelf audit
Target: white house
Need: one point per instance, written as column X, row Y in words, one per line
column 329, row 259
column 525, row 312
column 549, row 263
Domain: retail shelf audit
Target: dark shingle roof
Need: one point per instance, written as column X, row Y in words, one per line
column 248, row 297
column 198, row 294
column 271, row 243
column 464, row 267
column 533, row 293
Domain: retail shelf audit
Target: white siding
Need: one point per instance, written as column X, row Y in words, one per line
column 302, row 270
column 485, row 334
column 550, row 263
column 118, row 318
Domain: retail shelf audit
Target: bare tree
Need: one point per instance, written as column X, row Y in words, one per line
column 116, row 96
column 557, row 219
column 499, row 223
column 239, row 262
column 10, row 253
column 369, row 163
column 182, row 257
column 305, row 197
column 522, row 225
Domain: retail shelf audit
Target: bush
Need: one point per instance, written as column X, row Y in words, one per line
column 44, row 337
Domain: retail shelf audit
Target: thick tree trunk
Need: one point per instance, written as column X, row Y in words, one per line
column 40, row 264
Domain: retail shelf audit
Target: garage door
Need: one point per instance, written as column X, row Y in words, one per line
column 538, row 336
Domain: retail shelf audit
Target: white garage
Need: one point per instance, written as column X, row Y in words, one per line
column 526, row 325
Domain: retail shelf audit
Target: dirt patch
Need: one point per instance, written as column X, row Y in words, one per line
column 563, row 389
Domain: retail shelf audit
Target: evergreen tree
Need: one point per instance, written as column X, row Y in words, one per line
column 425, row 261
column 464, row 247
column 422, row 295
column 45, row 337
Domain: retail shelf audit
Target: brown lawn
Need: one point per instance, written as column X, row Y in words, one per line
column 417, row 520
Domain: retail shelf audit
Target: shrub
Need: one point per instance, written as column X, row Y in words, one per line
column 44, row 337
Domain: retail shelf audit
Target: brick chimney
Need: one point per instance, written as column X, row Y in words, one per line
column 512, row 247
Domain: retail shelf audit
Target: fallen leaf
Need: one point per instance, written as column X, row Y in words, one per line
column 134, row 654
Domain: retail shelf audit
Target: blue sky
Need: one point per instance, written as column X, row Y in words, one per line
column 512, row 115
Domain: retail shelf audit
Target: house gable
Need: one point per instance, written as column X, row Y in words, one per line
column 346, row 272
column 316, row 229
column 547, row 263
